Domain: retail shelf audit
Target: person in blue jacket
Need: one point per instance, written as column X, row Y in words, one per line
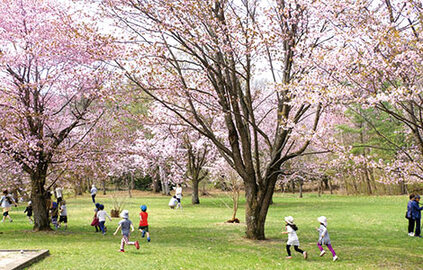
column 416, row 214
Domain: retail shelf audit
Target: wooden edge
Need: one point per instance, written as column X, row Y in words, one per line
column 42, row 253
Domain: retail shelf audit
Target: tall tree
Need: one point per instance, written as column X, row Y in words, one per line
column 51, row 74
column 202, row 60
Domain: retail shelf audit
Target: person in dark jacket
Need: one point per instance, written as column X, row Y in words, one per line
column 411, row 221
column 416, row 214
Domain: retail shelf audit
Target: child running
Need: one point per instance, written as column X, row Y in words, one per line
column 324, row 237
column 54, row 212
column 6, row 202
column 101, row 214
column 125, row 224
column 291, row 229
column 95, row 221
column 28, row 211
column 143, row 227
column 63, row 214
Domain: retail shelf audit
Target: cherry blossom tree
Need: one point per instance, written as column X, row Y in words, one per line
column 51, row 73
column 202, row 60
column 379, row 60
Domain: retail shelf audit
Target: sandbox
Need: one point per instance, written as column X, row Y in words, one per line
column 19, row 259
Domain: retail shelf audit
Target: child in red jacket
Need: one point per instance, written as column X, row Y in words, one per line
column 143, row 227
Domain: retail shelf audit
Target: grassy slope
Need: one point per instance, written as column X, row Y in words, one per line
column 366, row 232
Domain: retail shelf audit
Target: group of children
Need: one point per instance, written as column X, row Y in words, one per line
column 293, row 240
column 125, row 225
column 413, row 215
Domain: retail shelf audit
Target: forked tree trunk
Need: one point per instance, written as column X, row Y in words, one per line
column 38, row 198
column 195, row 197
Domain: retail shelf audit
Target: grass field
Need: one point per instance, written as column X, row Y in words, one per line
column 366, row 233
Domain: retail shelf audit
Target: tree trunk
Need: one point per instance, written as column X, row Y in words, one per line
column 257, row 206
column 195, row 197
column 39, row 203
column 128, row 183
column 403, row 188
column 301, row 188
column 235, row 200
column 104, row 186
column 156, row 188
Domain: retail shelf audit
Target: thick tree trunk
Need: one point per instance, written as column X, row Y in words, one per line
column 39, row 203
column 195, row 197
column 257, row 207
column 156, row 186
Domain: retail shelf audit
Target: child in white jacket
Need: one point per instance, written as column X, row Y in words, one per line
column 292, row 237
column 101, row 214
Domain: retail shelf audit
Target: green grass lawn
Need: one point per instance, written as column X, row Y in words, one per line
column 366, row 233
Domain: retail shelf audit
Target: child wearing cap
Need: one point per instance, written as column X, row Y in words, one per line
column 125, row 224
column 143, row 227
column 324, row 237
column 28, row 211
column 101, row 215
column 290, row 230
column 96, row 222
column 6, row 202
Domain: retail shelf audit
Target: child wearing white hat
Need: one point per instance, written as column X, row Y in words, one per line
column 324, row 237
column 291, row 229
column 125, row 224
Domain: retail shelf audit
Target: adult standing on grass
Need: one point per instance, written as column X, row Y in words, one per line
column 6, row 202
column 416, row 214
column 178, row 194
column 93, row 192
column 408, row 216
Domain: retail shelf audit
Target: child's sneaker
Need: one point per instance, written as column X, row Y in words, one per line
column 11, row 220
column 137, row 244
column 305, row 255
column 335, row 258
column 288, row 257
column 143, row 234
column 148, row 239
column 411, row 234
column 322, row 253
column 121, row 250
